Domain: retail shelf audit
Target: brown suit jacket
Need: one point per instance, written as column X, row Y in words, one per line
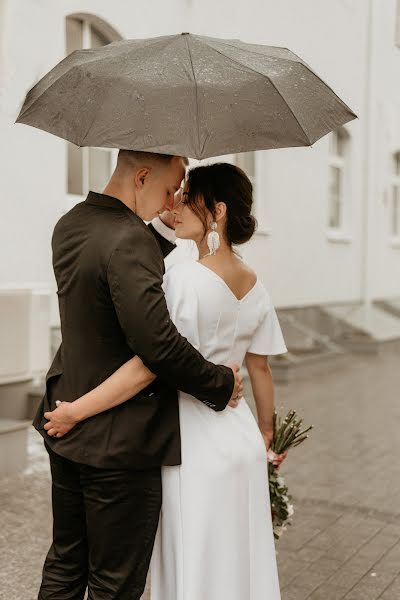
column 109, row 269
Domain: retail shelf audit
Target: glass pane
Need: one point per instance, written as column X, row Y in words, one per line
column 397, row 24
column 99, row 168
column 395, row 217
column 337, row 143
column 341, row 143
column 75, row 170
column 333, row 143
column 74, row 35
column 97, row 40
column 396, row 160
column 335, row 190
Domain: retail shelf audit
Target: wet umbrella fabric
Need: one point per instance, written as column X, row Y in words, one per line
column 185, row 94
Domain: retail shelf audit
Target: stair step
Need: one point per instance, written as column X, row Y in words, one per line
column 285, row 371
column 13, row 445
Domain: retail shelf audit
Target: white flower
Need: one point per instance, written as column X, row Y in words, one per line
column 280, row 481
column 290, row 510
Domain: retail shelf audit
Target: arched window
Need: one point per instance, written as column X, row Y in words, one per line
column 338, row 177
column 394, row 224
column 88, row 168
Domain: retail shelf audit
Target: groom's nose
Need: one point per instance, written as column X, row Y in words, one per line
column 169, row 205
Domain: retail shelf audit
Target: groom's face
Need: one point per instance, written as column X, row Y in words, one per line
column 157, row 186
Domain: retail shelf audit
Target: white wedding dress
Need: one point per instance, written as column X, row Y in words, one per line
column 214, row 539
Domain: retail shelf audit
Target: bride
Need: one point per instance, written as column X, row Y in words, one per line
column 214, row 537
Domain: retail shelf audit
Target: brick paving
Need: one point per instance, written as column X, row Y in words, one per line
column 345, row 540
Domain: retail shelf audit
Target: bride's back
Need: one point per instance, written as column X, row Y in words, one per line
column 237, row 275
column 219, row 313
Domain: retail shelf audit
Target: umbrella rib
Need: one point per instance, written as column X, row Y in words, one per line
column 270, row 80
column 196, row 93
column 329, row 88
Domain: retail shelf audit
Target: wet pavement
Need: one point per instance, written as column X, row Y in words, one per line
column 345, row 540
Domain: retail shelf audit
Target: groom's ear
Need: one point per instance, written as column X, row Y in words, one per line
column 140, row 176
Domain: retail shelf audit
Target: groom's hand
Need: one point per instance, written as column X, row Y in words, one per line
column 237, row 388
column 61, row 420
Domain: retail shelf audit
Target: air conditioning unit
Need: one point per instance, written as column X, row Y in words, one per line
column 15, row 322
column 24, row 334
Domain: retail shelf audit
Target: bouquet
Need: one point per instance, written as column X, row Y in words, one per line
column 287, row 434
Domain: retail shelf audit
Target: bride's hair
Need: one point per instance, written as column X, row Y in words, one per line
column 223, row 182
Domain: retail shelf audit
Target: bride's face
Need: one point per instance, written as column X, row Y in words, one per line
column 188, row 225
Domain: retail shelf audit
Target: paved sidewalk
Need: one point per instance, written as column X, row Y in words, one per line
column 345, row 541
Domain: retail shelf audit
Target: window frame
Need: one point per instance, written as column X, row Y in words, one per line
column 257, row 183
column 89, row 24
column 341, row 161
column 397, row 24
column 394, row 235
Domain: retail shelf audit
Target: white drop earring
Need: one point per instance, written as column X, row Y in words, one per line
column 213, row 241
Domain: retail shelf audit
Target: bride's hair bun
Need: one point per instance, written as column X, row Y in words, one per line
column 223, row 182
column 240, row 229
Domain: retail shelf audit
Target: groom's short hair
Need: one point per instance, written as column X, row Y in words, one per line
column 138, row 158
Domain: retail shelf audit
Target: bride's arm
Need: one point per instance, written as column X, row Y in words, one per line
column 122, row 385
column 263, row 391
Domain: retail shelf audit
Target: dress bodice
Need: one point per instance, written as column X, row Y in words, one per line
column 222, row 327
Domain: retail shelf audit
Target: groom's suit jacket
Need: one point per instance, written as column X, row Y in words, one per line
column 109, row 269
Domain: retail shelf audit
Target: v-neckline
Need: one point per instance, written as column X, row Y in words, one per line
column 239, row 300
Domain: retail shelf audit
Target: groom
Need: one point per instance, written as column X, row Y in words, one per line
column 106, row 473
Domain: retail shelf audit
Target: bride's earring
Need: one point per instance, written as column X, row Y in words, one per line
column 213, row 241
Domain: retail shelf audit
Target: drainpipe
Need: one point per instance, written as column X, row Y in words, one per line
column 368, row 181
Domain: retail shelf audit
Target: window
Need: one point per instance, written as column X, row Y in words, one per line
column 394, row 225
column 250, row 163
column 397, row 24
column 338, row 154
column 247, row 162
column 88, row 168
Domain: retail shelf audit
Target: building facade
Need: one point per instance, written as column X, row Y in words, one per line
column 329, row 215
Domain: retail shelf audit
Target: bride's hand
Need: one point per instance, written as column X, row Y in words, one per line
column 61, row 420
column 279, row 458
column 268, row 436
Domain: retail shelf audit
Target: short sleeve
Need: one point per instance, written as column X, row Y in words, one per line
column 268, row 339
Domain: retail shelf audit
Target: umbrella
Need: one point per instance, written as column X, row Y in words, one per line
column 187, row 95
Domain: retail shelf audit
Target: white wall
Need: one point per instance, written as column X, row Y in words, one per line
column 297, row 261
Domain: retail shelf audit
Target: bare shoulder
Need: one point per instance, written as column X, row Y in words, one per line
column 246, row 271
column 238, row 276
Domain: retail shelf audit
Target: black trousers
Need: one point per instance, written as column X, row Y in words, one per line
column 105, row 521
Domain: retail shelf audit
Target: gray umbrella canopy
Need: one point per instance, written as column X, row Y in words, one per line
column 185, row 94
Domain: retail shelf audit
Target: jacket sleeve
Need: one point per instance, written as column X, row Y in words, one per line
column 166, row 245
column 134, row 274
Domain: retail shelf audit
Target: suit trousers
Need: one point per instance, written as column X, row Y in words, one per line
column 104, row 526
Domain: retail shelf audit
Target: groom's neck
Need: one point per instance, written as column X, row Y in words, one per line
column 123, row 192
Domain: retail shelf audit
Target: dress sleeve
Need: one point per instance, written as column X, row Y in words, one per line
column 268, row 339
